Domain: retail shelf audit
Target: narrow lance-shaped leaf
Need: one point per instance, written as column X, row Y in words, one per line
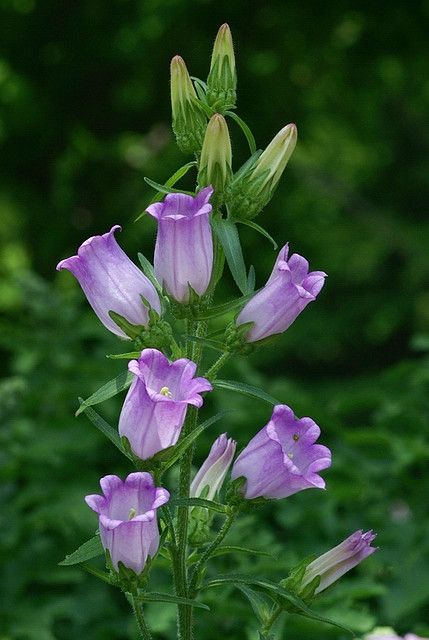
column 199, row 502
column 92, row 548
column 105, row 429
column 226, row 231
column 108, row 390
column 169, row 183
column 245, row 129
column 166, row 597
column 261, row 230
column 149, row 272
column 246, row 390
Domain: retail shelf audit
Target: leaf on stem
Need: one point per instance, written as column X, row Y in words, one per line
column 246, row 390
column 261, row 230
column 226, row 231
column 245, row 129
column 106, row 429
column 92, row 548
column 108, row 390
column 167, row 597
column 199, row 502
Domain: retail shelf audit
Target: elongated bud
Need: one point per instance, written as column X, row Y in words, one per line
column 212, row 473
column 255, row 183
column 222, row 79
column 216, row 158
column 189, row 121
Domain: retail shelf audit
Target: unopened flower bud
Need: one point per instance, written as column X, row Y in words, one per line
column 254, row 185
column 216, row 158
column 189, row 120
column 222, row 79
column 212, row 473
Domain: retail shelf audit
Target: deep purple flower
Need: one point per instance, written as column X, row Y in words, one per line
column 127, row 518
column 336, row 562
column 184, row 245
column 214, row 469
column 155, row 407
column 111, row 281
column 282, row 458
column 287, row 292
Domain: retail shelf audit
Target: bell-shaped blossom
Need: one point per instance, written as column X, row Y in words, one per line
column 335, row 563
column 155, row 407
column 282, row 458
column 386, row 633
column 127, row 518
column 212, row 473
column 287, row 292
column 112, row 282
column 184, row 245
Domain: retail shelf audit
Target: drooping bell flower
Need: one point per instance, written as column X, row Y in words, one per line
column 127, row 518
column 112, row 282
column 184, row 245
column 209, row 478
column 283, row 458
column 289, row 289
column 335, row 563
column 155, row 407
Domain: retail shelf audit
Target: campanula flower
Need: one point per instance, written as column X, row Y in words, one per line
column 155, row 407
column 127, row 518
column 283, row 458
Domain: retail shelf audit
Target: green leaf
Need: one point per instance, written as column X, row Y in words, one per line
column 204, row 106
column 245, row 129
column 224, row 308
column 207, row 342
column 90, row 549
column 199, row 502
column 226, row 231
column 220, row 551
column 131, row 355
column 108, row 390
column 149, row 271
column 166, row 597
column 251, row 280
column 246, row 390
column 105, row 429
column 200, row 88
column 261, row 230
column 163, row 188
column 169, row 183
column 272, row 589
column 133, row 331
column 179, row 449
column 259, row 603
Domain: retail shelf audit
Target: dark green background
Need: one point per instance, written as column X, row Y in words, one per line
column 84, row 115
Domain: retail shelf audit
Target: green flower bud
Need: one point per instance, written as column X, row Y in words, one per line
column 255, row 183
column 189, row 120
column 216, row 158
column 222, row 79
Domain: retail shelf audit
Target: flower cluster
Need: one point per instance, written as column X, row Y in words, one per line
column 170, row 304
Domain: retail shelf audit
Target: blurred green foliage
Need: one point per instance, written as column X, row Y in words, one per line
column 84, row 115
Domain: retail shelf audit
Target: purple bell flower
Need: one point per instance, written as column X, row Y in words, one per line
column 289, row 289
column 111, row 281
column 155, row 407
column 127, row 518
column 282, row 458
column 184, row 244
column 336, row 562
column 213, row 471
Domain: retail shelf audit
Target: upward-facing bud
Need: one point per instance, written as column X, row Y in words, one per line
column 189, row 120
column 222, row 79
column 216, row 158
column 254, row 184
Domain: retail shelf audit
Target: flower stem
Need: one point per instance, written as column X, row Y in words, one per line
column 211, row 373
column 141, row 622
column 209, row 551
column 269, row 623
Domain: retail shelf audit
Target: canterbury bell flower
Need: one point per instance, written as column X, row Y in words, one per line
column 209, row 479
column 184, row 244
column 127, row 518
column 155, row 407
column 289, row 289
column 283, row 458
column 336, row 562
column 112, row 282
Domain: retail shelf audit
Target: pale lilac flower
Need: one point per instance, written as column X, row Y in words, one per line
column 155, row 407
column 184, row 244
column 112, row 282
column 213, row 471
column 336, row 562
column 282, row 458
column 127, row 518
column 289, row 289
column 386, row 633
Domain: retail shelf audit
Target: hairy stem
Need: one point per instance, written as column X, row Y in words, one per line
column 265, row 630
column 141, row 622
column 209, row 551
column 211, row 373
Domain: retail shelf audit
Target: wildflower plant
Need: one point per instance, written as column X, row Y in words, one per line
column 164, row 313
